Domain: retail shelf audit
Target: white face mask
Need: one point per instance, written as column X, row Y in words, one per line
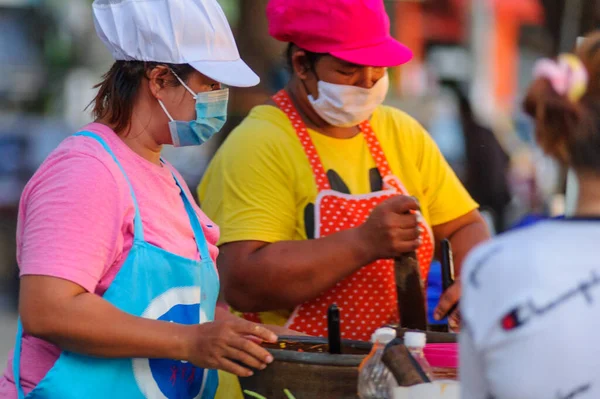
column 344, row 105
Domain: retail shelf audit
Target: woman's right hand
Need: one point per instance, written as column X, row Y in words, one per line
column 227, row 345
column 392, row 229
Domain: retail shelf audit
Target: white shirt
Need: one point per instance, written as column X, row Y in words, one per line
column 531, row 307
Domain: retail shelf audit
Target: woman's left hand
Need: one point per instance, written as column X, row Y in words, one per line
column 449, row 298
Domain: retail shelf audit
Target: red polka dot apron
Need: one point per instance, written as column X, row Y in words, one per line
column 367, row 299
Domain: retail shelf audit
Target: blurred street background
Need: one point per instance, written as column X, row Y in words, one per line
column 473, row 62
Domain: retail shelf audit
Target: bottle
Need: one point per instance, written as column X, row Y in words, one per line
column 374, row 379
column 415, row 342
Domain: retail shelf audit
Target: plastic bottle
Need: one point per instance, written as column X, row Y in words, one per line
column 374, row 379
column 415, row 342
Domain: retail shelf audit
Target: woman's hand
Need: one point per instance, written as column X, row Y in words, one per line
column 392, row 229
column 449, row 299
column 228, row 345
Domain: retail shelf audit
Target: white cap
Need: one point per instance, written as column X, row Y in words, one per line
column 194, row 32
column 415, row 339
column 383, row 335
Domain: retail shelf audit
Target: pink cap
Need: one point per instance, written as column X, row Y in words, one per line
column 357, row 31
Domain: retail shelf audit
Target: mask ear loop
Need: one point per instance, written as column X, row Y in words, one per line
column 162, row 105
column 165, row 109
column 195, row 95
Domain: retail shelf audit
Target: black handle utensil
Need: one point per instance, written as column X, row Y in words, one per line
column 333, row 328
column 447, row 263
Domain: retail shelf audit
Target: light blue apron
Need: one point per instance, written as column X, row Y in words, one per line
column 154, row 284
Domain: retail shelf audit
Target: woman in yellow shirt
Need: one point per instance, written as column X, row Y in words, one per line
column 313, row 190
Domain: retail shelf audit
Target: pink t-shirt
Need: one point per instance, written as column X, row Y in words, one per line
column 76, row 223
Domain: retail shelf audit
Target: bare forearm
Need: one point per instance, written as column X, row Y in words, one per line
column 465, row 239
column 287, row 273
column 89, row 325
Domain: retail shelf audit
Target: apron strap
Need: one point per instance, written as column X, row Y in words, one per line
column 17, row 361
column 375, row 149
column 283, row 101
column 199, row 235
column 138, row 230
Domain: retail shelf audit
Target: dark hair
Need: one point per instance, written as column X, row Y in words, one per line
column 570, row 131
column 119, row 88
column 311, row 57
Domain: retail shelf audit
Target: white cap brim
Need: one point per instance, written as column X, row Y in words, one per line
column 231, row 73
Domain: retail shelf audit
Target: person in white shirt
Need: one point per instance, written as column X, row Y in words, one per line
column 531, row 298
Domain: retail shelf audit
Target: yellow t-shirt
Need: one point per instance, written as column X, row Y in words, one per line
column 260, row 186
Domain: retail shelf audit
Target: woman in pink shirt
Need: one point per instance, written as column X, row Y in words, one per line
column 116, row 261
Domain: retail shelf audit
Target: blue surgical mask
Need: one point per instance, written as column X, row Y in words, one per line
column 211, row 115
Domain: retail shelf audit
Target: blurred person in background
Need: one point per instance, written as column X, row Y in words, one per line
column 317, row 190
column 487, row 163
column 118, row 282
column 539, row 341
